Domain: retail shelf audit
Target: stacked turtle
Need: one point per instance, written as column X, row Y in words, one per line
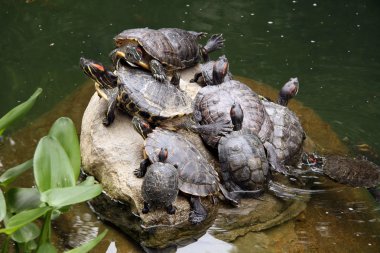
column 272, row 132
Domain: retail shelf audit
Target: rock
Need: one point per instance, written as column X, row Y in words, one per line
column 111, row 154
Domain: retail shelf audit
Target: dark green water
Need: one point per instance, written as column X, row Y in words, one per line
column 331, row 46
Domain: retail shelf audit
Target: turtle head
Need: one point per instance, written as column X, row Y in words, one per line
column 237, row 116
column 141, row 126
column 288, row 91
column 219, row 70
column 97, row 72
column 130, row 53
column 162, row 155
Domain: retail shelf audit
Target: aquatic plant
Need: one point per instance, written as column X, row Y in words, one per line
column 56, row 168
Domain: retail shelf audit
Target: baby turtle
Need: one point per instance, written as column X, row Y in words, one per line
column 196, row 177
column 242, row 156
column 137, row 93
column 162, row 50
column 160, row 185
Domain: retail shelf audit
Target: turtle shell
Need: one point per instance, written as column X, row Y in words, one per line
column 243, row 155
column 141, row 94
column 351, row 171
column 213, row 103
column 288, row 134
column 174, row 47
column 207, row 69
column 160, row 185
column 195, row 175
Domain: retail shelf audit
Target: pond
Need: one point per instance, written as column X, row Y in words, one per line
column 332, row 47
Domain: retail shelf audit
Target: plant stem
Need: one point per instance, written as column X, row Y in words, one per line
column 5, row 247
column 46, row 229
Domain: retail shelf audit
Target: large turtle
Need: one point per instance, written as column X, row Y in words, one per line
column 196, row 177
column 163, row 49
column 137, row 93
column 288, row 134
column 243, row 161
column 160, row 185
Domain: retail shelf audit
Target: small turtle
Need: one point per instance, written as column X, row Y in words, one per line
column 137, row 93
column 354, row 172
column 242, row 156
column 288, row 134
column 163, row 49
column 196, row 177
column 160, row 185
column 204, row 76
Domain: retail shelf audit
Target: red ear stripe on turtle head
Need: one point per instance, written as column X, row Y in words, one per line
column 98, row 66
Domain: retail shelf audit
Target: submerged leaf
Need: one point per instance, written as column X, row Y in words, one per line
column 64, row 131
column 20, row 199
column 18, row 111
column 60, row 197
column 52, row 167
column 89, row 245
column 11, row 174
column 23, row 218
column 3, row 207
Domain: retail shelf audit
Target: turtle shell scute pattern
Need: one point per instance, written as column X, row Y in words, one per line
column 243, row 154
column 195, row 175
column 351, row 171
column 160, row 185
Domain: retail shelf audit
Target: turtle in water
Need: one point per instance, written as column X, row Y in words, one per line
column 166, row 49
column 196, row 177
column 242, row 156
column 160, row 185
column 137, row 93
column 288, row 134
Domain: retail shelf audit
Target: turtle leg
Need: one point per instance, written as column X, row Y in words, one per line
column 140, row 172
column 158, row 71
column 198, row 213
column 110, row 113
column 272, row 158
column 230, row 185
column 170, row 209
column 214, row 43
column 146, row 207
column 175, row 79
column 218, row 128
column 232, row 198
column 196, row 77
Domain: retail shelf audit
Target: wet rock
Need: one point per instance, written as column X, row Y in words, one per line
column 111, row 154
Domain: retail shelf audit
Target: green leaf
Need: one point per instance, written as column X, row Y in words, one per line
column 18, row 111
column 27, row 233
column 3, row 207
column 11, row 174
column 47, row 248
column 64, row 131
column 20, row 199
column 90, row 180
column 89, row 245
column 52, row 167
column 60, row 197
column 23, row 218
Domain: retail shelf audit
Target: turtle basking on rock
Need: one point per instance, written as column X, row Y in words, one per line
column 162, row 50
column 160, row 185
column 196, row 177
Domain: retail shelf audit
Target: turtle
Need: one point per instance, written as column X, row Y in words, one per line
column 288, row 134
column 204, row 76
column 137, row 93
column 160, row 185
column 166, row 49
column 196, row 177
column 242, row 156
column 213, row 103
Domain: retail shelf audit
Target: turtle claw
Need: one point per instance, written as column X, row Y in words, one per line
column 195, row 218
column 138, row 173
column 106, row 121
column 159, row 77
column 170, row 209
